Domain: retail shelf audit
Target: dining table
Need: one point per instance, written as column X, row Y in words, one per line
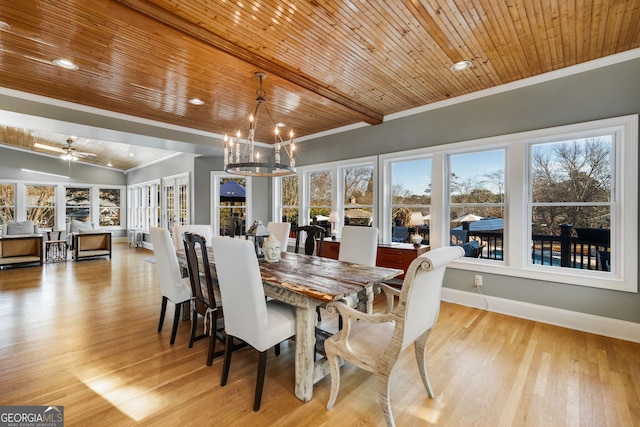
column 307, row 282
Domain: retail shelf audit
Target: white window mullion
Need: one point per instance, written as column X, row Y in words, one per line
column 517, row 230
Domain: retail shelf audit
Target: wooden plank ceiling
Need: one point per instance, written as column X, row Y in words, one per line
column 330, row 63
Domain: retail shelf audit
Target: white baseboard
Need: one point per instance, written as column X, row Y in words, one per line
column 613, row 328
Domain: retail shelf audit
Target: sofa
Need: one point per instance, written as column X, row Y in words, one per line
column 91, row 244
column 20, row 244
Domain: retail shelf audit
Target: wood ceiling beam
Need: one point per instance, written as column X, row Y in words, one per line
column 178, row 23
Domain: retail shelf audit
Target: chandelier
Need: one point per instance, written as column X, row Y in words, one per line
column 246, row 160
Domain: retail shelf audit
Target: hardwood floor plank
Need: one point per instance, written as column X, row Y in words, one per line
column 83, row 335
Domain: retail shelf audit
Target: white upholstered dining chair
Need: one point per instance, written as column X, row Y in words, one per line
column 373, row 342
column 358, row 245
column 174, row 287
column 280, row 230
column 248, row 316
column 204, row 230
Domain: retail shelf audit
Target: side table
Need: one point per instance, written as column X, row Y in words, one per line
column 55, row 250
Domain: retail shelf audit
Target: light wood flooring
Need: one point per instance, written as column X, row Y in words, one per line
column 83, row 335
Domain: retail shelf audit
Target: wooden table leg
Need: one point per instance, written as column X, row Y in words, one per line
column 305, row 352
column 365, row 300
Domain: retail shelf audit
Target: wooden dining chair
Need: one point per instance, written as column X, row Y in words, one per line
column 173, row 286
column 204, row 230
column 206, row 301
column 373, row 342
column 249, row 316
column 312, row 234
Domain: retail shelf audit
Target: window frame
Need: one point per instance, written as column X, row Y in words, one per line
column 337, row 192
column 41, row 207
column 623, row 276
column 387, row 190
column 215, row 178
column 341, row 174
column 11, row 207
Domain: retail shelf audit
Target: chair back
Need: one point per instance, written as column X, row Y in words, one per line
column 312, row 232
column 204, row 230
column 359, row 245
column 167, row 263
column 245, row 307
column 420, row 295
column 399, row 233
column 280, row 230
column 457, row 237
column 203, row 293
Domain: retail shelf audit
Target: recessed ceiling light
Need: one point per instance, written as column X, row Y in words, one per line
column 65, row 63
column 196, row 101
column 109, row 164
column 131, row 154
column 462, row 65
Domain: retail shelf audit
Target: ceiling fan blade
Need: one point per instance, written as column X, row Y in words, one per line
column 86, row 155
column 50, row 148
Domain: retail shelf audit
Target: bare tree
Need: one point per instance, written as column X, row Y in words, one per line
column 571, row 173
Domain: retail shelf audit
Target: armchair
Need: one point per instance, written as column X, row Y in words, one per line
column 375, row 342
column 91, row 244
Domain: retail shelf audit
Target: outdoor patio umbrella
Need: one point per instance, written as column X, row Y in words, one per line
column 231, row 191
column 468, row 218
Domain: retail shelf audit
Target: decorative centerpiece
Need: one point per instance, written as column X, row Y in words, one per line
column 271, row 249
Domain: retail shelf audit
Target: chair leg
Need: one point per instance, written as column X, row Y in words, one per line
column 194, row 325
column 420, row 347
column 277, row 348
column 228, row 349
column 176, row 320
column 162, row 310
column 383, row 397
column 212, row 339
column 332, row 358
column 262, row 367
column 339, row 322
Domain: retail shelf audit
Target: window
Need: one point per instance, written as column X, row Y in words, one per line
column 78, row 204
column 40, row 205
column 476, row 201
column 319, row 196
column 410, row 192
column 230, row 213
column 571, row 202
column 144, row 206
column 136, row 208
column 289, row 200
column 233, row 206
column 109, row 207
column 176, row 199
column 358, row 190
column 7, row 203
column 557, row 204
column 152, row 205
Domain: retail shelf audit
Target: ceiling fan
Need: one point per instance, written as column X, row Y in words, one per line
column 67, row 152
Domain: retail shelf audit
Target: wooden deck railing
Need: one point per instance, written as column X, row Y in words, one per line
column 563, row 250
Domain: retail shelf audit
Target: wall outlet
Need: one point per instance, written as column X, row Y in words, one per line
column 477, row 281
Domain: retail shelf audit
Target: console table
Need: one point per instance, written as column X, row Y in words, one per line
column 390, row 255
